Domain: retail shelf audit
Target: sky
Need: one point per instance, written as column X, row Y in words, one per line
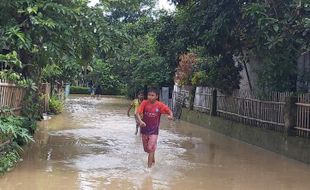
column 162, row 4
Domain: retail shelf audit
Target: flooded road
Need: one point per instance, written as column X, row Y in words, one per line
column 92, row 146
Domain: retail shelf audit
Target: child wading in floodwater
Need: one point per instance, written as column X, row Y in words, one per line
column 151, row 109
column 135, row 104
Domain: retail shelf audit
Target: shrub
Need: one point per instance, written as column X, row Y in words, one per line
column 8, row 160
column 55, row 105
column 79, row 90
column 112, row 91
column 18, row 130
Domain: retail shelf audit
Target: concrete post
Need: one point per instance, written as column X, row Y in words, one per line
column 165, row 95
column 290, row 115
column 213, row 110
column 67, row 90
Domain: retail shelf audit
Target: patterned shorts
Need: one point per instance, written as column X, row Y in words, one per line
column 149, row 142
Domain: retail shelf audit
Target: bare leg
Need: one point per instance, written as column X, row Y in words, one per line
column 150, row 159
column 153, row 159
column 137, row 128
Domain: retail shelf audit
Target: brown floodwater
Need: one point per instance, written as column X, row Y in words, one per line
column 92, row 146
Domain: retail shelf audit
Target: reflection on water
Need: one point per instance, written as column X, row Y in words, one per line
column 92, row 146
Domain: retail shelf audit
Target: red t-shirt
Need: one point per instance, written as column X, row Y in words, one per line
column 151, row 116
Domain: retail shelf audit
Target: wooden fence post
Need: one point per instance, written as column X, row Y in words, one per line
column 213, row 110
column 192, row 94
column 290, row 115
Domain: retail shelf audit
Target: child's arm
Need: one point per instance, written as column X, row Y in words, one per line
column 139, row 112
column 142, row 123
column 166, row 110
column 129, row 108
column 170, row 115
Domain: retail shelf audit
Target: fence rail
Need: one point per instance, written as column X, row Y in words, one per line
column 11, row 97
column 266, row 114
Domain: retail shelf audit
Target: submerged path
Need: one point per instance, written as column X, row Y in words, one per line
column 92, row 146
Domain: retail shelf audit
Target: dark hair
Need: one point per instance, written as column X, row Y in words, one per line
column 154, row 90
column 140, row 93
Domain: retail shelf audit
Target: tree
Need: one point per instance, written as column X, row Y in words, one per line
column 275, row 32
column 103, row 77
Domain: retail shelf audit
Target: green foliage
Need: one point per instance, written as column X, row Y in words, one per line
column 170, row 42
column 128, row 11
column 8, row 160
column 79, row 90
column 127, row 45
column 70, row 41
column 51, row 72
column 138, row 63
column 31, row 101
column 10, row 60
column 54, row 33
column 103, row 76
column 208, row 26
column 18, row 128
column 217, row 72
column 55, row 105
column 276, row 32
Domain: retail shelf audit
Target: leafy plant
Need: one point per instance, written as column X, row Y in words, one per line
column 17, row 130
column 55, row 105
column 8, row 160
column 31, row 101
column 17, row 127
column 103, row 76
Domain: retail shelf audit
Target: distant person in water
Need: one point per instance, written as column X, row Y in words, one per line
column 98, row 91
column 151, row 110
column 92, row 90
column 135, row 104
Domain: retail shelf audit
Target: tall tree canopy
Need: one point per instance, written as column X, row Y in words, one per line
column 133, row 44
column 274, row 32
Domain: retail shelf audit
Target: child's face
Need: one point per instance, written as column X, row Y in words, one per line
column 152, row 96
column 140, row 96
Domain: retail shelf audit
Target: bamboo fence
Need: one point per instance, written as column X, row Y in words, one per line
column 249, row 110
column 203, row 99
column 265, row 110
column 303, row 115
column 11, row 97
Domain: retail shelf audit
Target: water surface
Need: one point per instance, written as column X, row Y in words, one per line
column 92, row 146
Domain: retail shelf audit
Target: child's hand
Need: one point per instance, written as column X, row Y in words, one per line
column 142, row 124
column 170, row 117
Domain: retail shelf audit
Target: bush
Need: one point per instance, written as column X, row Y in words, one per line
column 112, row 91
column 55, row 105
column 18, row 130
column 79, row 90
column 8, row 160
